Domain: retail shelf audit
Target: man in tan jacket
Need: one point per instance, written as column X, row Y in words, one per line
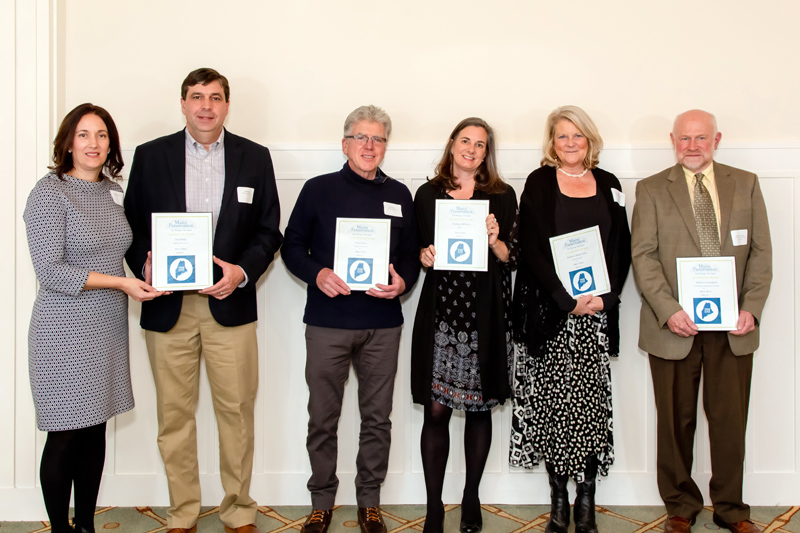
column 700, row 208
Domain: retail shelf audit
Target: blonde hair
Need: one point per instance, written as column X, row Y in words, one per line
column 585, row 125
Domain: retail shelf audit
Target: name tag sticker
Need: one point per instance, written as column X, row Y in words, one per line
column 739, row 237
column 618, row 197
column 245, row 195
column 116, row 196
column 393, row 210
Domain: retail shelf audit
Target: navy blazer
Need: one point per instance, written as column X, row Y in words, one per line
column 247, row 234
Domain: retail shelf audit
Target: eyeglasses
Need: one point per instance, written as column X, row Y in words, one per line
column 362, row 139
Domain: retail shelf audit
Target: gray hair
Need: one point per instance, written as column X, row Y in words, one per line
column 370, row 113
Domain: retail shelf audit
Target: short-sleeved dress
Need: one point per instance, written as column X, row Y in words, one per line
column 78, row 340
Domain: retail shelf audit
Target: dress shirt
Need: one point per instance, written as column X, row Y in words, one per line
column 205, row 177
column 205, row 180
column 710, row 184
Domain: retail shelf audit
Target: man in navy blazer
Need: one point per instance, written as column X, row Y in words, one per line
column 205, row 168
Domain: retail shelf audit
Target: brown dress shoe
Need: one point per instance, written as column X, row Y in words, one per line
column 745, row 526
column 318, row 521
column 371, row 520
column 192, row 529
column 249, row 528
column 678, row 524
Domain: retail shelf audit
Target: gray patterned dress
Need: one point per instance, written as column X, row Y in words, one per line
column 78, row 340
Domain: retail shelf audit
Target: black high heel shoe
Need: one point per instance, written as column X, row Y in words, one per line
column 471, row 524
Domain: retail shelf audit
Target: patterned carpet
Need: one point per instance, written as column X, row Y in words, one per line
column 497, row 519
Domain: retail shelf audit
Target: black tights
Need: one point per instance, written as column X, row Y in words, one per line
column 75, row 456
column 435, row 446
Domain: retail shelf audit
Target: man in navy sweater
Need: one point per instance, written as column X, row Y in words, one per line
column 344, row 326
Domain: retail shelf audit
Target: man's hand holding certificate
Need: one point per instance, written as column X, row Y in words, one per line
column 707, row 292
column 182, row 256
column 361, row 254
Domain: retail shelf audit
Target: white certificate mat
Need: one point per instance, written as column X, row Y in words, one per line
column 182, row 254
column 580, row 262
column 460, row 235
column 707, row 292
column 361, row 255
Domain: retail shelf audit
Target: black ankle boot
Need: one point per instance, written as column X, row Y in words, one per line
column 559, row 502
column 584, row 500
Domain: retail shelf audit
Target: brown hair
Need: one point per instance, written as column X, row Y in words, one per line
column 204, row 76
column 487, row 179
column 62, row 157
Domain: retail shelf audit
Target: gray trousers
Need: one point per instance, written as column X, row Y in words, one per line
column 373, row 353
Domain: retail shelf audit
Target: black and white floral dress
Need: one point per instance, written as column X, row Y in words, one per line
column 562, row 382
column 456, row 371
column 462, row 344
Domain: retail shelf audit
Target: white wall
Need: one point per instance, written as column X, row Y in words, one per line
column 296, row 70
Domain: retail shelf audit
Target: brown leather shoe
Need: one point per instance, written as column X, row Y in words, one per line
column 249, row 528
column 192, row 529
column 371, row 520
column 318, row 521
column 745, row 526
column 678, row 524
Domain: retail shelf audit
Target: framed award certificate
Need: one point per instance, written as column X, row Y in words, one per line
column 580, row 262
column 182, row 251
column 707, row 292
column 361, row 253
column 460, row 235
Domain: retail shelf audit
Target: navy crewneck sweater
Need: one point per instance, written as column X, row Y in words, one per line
column 310, row 240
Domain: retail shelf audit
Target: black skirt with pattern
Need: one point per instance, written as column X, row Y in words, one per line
column 562, row 400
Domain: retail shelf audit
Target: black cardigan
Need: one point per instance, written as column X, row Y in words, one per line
column 490, row 306
column 541, row 303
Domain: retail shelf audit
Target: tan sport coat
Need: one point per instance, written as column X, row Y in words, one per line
column 663, row 229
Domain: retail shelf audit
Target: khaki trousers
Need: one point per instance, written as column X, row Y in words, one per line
column 726, row 397
column 231, row 360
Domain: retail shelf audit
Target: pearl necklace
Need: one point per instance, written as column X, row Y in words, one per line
column 582, row 174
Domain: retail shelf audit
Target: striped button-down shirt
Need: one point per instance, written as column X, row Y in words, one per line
column 205, row 177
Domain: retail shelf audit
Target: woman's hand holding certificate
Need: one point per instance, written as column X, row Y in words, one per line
column 461, row 235
column 580, row 263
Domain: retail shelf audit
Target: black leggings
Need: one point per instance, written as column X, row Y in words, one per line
column 72, row 457
column 435, row 447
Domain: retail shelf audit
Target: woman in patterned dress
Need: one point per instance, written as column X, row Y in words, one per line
column 562, row 387
column 78, row 337
column 462, row 348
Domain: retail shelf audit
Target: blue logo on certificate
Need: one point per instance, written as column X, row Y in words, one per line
column 582, row 281
column 459, row 251
column 359, row 270
column 180, row 269
column 706, row 311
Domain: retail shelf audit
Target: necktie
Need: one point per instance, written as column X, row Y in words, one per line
column 705, row 218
